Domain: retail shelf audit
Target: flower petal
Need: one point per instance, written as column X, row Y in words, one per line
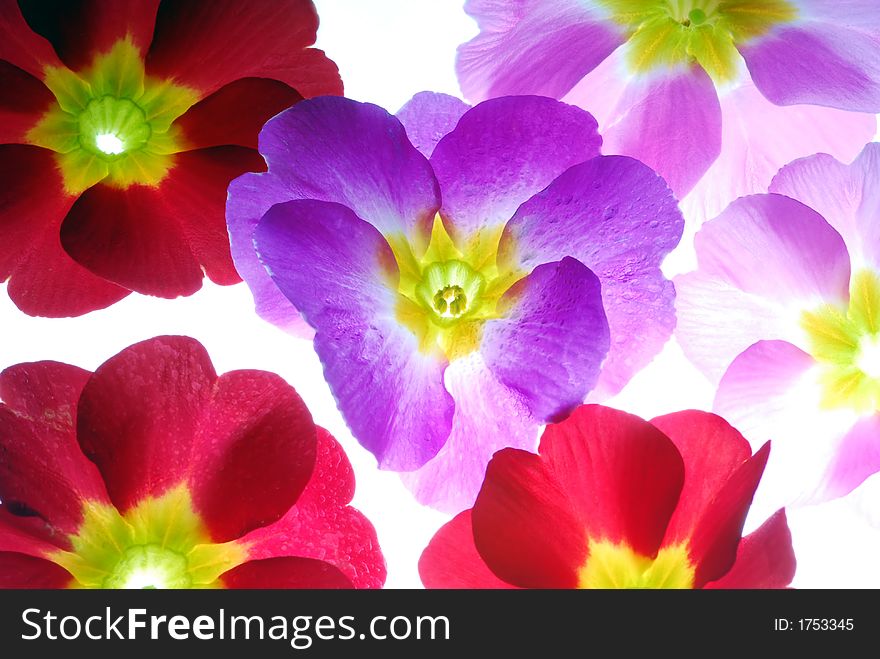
column 42, row 469
column 285, row 572
column 524, row 526
column 619, row 219
column 43, row 279
column 451, row 560
column 20, row 571
column 720, row 477
column 208, row 45
column 501, row 153
column 252, row 455
column 857, row 458
column 235, row 113
column 767, row 258
column 772, row 391
column 551, row 339
column 20, row 45
column 81, row 29
column 760, row 137
column 154, row 240
column 322, row 526
column 818, row 63
column 532, row 47
column 24, row 100
column 139, row 413
column 845, row 195
column 764, row 558
column 428, row 117
column 670, row 122
column 340, row 273
column 451, row 480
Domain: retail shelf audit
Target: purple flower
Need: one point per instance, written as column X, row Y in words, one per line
column 715, row 95
column 470, row 274
column 783, row 313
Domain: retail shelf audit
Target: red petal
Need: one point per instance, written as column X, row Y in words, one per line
column 42, row 468
column 23, row 102
column 139, row 412
column 81, row 29
column 153, row 240
column 28, row 535
column 20, row 571
column 525, row 525
column 320, row 525
column 451, row 559
column 128, row 237
column 195, row 192
column 764, row 559
column 235, row 113
column 20, row 45
column 623, row 477
column 285, row 573
column 253, row 453
column 45, row 281
column 209, row 44
column 712, row 451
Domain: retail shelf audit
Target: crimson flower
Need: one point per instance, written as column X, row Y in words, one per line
column 612, row 501
column 121, row 125
column 154, row 471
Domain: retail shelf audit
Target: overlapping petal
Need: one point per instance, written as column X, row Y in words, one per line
column 766, row 258
column 617, row 217
column 428, row 117
column 341, row 274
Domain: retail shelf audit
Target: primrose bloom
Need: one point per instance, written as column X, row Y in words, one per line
column 735, row 88
column 784, row 310
column 155, row 472
column 121, row 125
column 465, row 272
column 612, row 501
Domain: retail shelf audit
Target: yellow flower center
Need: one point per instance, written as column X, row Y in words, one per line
column 846, row 343
column 669, row 33
column 447, row 295
column 160, row 543
column 112, row 122
column 612, row 565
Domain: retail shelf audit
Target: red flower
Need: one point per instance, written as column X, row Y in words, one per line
column 613, row 501
column 121, row 125
column 154, row 471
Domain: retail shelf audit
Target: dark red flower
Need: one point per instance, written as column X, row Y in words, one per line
column 612, row 501
column 156, row 472
column 121, row 125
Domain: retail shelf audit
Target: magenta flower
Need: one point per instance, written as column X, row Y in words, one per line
column 735, row 88
column 784, row 312
column 466, row 272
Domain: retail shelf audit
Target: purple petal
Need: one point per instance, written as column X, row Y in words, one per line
column 847, row 196
column 358, row 155
column 760, row 137
column 428, row 116
column 858, row 457
column 533, row 47
column 819, row 63
column 618, row 218
column 502, row 152
column 488, row 417
column 671, row 122
column 340, row 272
column 552, row 338
column 772, row 392
column 249, row 197
column 762, row 262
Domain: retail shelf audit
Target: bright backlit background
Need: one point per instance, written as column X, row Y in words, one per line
column 387, row 50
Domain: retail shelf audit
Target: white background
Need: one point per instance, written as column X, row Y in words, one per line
column 387, row 50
